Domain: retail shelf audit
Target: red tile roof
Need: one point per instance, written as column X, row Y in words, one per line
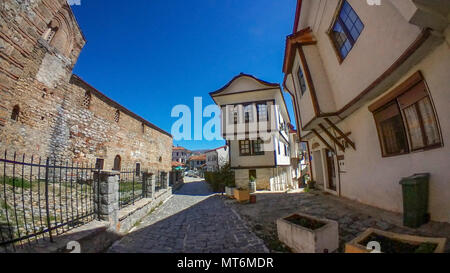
column 198, row 157
column 179, row 148
column 177, row 164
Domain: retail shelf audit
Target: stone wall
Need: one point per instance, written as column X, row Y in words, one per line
column 60, row 115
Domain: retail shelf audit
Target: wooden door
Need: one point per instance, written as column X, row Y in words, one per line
column 331, row 168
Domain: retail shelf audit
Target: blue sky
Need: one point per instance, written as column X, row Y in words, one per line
column 152, row 55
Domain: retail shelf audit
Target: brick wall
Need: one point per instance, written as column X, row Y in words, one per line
column 54, row 120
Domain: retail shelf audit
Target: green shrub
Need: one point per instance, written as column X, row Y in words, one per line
column 220, row 179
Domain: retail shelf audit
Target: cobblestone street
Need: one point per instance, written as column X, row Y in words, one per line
column 353, row 217
column 192, row 221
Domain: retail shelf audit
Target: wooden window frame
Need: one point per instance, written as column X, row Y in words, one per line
column 380, row 137
column 254, row 143
column 100, row 163
column 251, row 114
column 392, row 97
column 241, row 143
column 257, row 111
column 336, row 18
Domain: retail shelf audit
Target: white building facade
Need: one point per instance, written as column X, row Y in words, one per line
column 370, row 86
column 255, row 124
column 180, row 154
column 217, row 158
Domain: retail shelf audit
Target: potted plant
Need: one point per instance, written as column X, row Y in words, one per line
column 229, row 190
column 390, row 242
column 242, row 195
column 308, row 234
column 252, row 184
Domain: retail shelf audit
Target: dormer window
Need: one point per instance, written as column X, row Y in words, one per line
column 346, row 30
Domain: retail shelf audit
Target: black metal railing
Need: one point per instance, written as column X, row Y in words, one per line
column 136, row 185
column 131, row 187
column 160, row 181
column 41, row 198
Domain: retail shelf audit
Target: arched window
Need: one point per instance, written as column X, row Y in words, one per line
column 15, row 113
column 143, row 128
column 117, row 163
column 87, row 100
column 117, row 116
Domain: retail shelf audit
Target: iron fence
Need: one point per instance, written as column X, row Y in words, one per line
column 134, row 186
column 131, row 187
column 41, row 198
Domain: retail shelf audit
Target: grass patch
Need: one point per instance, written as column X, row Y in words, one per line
column 128, row 186
column 16, row 182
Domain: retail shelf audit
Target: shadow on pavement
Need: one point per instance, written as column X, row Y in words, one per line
column 206, row 227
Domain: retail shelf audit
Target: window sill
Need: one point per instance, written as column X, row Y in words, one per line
column 425, row 149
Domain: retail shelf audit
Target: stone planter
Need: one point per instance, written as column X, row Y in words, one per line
column 242, row 195
column 305, row 240
column 229, row 191
column 358, row 245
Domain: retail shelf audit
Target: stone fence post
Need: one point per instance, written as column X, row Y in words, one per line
column 106, row 188
column 149, row 188
column 165, row 180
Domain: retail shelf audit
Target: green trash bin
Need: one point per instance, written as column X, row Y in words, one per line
column 415, row 200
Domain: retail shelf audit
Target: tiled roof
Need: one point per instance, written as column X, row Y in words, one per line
column 217, row 149
column 177, row 164
column 179, row 148
column 198, row 157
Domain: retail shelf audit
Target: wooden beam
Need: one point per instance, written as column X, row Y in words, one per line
column 330, row 135
column 323, row 140
column 349, row 141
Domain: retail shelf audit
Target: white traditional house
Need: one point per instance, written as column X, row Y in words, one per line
column 370, row 85
column 180, row 154
column 255, row 124
column 217, row 158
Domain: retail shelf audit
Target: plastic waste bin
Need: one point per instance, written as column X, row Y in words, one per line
column 415, row 200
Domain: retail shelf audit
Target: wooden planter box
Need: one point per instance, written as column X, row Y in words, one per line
column 355, row 245
column 304, row 240
column 242, row 195
column 229, row 191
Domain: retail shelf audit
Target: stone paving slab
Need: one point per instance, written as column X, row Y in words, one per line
column 353, row 217
column 192, row 221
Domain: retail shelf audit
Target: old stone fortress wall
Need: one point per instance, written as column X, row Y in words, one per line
column 47, row 111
